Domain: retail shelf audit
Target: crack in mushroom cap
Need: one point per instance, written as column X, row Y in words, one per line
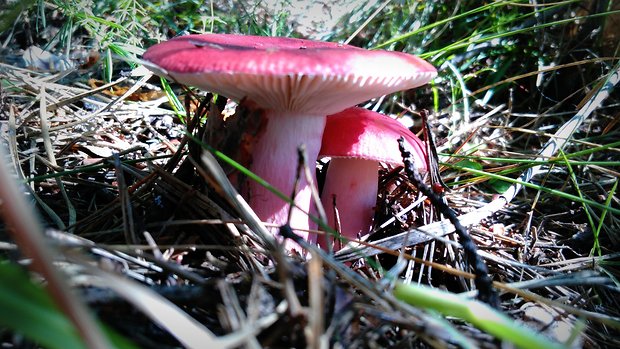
column 287, row 74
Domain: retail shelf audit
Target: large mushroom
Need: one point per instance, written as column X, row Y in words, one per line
column 358, row 141
column 298, row 82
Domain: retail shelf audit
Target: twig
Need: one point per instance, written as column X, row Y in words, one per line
column 482, row 280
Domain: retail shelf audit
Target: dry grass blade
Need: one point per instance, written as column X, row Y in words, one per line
column 367, row 21
column 234, row 198
column 187, row 330
column 419, row 235
column 315, row 329
column 611, row 321
column 29, row 236
column 49, row 151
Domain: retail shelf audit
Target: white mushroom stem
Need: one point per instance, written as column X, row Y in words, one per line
column 354, row 184
column 275, row 160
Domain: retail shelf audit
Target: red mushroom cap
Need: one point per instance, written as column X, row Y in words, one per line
column 357, row 140
column 363, row 134
column 289, row 74
column 296, row 81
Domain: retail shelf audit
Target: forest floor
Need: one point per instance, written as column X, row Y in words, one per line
column 525, row 124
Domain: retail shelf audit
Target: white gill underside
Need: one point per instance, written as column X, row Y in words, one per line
column 301, row 93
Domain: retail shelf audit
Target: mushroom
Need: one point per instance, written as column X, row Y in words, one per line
column 298, row 82
column 358, row 140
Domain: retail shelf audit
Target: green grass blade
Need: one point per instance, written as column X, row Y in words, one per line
column 538, row 187
column 27, row 309
column 597, row 230
column 479, row 314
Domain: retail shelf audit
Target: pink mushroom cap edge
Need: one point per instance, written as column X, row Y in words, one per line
column 364, row 134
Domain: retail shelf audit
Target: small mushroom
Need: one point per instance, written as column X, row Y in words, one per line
column 298, row 82
column 358, row 140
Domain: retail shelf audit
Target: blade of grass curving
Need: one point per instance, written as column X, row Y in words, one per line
column 475, row 312
column 47, row 142
column 521, row 183
column 589, row 214
column 366, row 22
column 480, row 38
column 464, row 91
column 187, row 330
column 428, row 27
column 175, row 103
column 601, row 222
column 28, row 234
column 28, row 310
column 542, row 162
column 539, row 71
